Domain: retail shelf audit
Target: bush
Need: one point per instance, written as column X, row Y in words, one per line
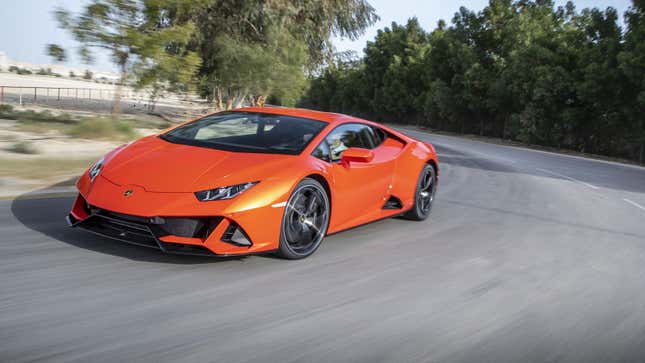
column 102, row 129
column 23, row 147
column 5, row 109
column 19, row 70
column 44, row 116
column 7, row 112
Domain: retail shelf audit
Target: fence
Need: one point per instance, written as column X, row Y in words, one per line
column 101, row 100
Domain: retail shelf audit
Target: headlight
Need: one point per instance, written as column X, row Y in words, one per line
column 95, row 170
column 223, row 193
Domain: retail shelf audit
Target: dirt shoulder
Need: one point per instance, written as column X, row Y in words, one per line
column 46, row 155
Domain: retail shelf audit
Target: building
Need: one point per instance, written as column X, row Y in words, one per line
column 64, row 71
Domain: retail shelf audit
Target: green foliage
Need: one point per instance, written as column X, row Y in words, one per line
column 257, row 69
column 164, row 61
column 47, row 72
column 236, row 52
column 252, row 50
column 101, row 128
column 139, row 38
column 23, row 147
column 5, row 109
column 18, row 70
column 44, row 116
column 29, row 116
column 632, row 64
column 522, row 70
column 57, row 53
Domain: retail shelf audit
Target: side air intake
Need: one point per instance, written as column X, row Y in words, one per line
column 393, row 203
column 235, row 235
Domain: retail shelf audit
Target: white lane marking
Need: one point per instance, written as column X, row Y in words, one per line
column 567, row 177
column 634, row 204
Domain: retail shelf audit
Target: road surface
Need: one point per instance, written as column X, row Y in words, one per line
column 527, row 257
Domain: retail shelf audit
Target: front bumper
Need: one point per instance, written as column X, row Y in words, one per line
column 200, row 235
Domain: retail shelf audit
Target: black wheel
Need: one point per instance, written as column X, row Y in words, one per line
column 424, row 195
column 305, row 220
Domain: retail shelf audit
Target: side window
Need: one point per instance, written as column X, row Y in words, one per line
column 346, row 136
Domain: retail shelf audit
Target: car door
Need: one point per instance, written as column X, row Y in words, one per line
column 359, row 188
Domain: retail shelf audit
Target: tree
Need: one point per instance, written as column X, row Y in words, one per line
column 632, row 63
column 245, row 51
column 519, row 69
column 56, row 52
column 393, row 63
column 267, row 39
column 129, row 30
column 251, row 71
column 165, row 63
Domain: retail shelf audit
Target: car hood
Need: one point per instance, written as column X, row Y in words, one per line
column 160, row 166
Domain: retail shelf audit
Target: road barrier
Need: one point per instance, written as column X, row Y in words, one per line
column 49, row 94
column 100, row 100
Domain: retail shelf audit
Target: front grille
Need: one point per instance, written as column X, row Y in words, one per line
column 126, row 231
column 146, row 231
column 189, row 227
column 125, row 217
column 197, row 227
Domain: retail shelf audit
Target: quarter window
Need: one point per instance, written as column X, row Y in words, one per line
column 379, row 136
column 346, row 136
column 322, row 152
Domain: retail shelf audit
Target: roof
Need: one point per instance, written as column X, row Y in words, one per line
column 300, row 112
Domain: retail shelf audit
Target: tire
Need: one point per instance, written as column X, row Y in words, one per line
column 423, row 195
column 304, row 221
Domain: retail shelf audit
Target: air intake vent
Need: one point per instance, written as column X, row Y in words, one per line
column 393, row 203
column 235, row 235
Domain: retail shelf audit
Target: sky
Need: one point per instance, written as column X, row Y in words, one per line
column 26, row 26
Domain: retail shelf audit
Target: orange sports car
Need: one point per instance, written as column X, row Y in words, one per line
column 255, row 180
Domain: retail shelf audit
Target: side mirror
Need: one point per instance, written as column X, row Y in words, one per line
column 356, row 155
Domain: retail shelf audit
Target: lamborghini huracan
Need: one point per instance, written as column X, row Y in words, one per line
column 255, row 180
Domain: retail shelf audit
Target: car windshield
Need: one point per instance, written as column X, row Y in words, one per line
column 248, row 132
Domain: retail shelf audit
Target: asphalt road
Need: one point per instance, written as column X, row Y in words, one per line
column 527, row 257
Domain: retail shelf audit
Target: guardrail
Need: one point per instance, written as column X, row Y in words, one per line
column 100, row 99
column 46, row 94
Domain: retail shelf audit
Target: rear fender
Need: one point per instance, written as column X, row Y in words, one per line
column 406, row 174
